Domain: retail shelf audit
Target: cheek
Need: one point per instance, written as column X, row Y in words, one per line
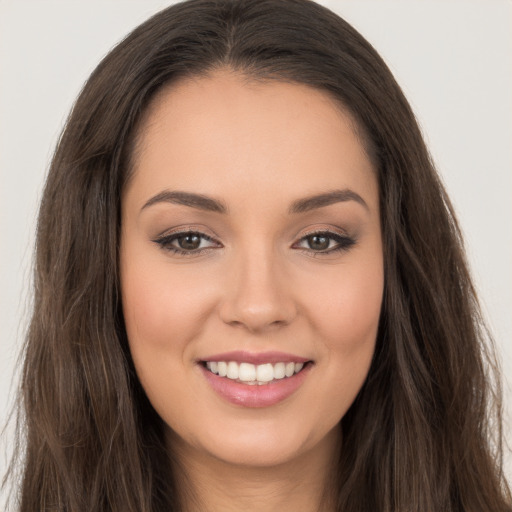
column 162, row 312
column 345, row 307
column 162, row 307
column 344, row 313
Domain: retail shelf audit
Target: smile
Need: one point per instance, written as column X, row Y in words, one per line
column 255, row 380
column 252, row 374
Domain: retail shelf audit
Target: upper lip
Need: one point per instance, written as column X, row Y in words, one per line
column 241, row 356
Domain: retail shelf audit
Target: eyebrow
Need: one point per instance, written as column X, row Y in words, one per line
column 319, row 201
column 198, row 201
column 209, row 204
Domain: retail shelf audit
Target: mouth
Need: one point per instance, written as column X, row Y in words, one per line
column 252, row 374
column 255, row 380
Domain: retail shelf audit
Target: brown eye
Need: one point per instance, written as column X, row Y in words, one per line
column 323, row 243
column 189, row 242
column 318, row 242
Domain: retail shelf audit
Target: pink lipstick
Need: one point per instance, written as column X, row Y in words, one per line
column 255, row 379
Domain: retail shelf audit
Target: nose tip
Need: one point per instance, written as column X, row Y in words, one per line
column 257, row 297
column 256, row 320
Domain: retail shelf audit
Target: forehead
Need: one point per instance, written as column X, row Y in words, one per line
column 224, row 135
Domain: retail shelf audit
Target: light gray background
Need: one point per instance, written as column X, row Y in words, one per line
column 452, row 58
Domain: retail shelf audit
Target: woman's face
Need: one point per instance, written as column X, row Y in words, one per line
column 251, row 244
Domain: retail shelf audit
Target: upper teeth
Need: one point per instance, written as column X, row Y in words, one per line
column 253, row 374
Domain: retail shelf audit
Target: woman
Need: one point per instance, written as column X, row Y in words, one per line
column 250, row 288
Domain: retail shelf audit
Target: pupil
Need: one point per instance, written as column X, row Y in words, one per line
column 189, row 242
column 318, row 242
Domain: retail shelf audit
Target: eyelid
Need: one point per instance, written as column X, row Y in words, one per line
column 164, row 240
column 324, row 229
column 186, row 228
column 344, row 241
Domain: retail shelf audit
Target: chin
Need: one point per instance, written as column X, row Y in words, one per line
column 257, row 445
column 265, row 451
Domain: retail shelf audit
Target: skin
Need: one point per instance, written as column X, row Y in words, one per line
column 259, row 286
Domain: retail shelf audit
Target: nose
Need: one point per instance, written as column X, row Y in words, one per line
column 257, row 296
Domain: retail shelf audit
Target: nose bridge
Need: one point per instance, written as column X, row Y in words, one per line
column 256, row 295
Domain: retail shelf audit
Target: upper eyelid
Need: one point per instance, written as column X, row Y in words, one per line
column 335, row 234
column 319, row 231
column 199, row 231
column 172, row 235
column 185, row 230
column 166, row 240
column 167, row 237
column 337, row 237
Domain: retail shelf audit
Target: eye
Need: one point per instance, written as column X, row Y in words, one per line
column 186, row 242
column 325, row 242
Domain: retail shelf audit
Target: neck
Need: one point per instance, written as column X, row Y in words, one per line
column 303, row 484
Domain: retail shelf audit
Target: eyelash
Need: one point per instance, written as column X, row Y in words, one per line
column 344, row 243
column 165, row 242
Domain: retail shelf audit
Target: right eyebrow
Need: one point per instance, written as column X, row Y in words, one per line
column 187, row 199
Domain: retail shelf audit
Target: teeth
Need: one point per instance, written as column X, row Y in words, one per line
column 212, row 366
column 222, row 368
column 264, row 372
column 246, row 372
column 253, row 374
column 232, row 370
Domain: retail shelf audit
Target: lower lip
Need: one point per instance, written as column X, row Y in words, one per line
column 264, row 395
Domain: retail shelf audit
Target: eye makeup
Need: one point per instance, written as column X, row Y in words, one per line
column 187, row 243
column 191, row 242
column 321, row 242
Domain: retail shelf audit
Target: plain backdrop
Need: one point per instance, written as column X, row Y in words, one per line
column 452, row 59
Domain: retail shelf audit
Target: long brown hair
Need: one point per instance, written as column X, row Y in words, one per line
column 424, row 433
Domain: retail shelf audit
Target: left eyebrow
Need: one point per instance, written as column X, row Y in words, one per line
column 320, row 200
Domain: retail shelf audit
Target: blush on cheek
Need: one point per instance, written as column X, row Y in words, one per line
column 145, row 316
column 160, row 307
column 350, row 323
